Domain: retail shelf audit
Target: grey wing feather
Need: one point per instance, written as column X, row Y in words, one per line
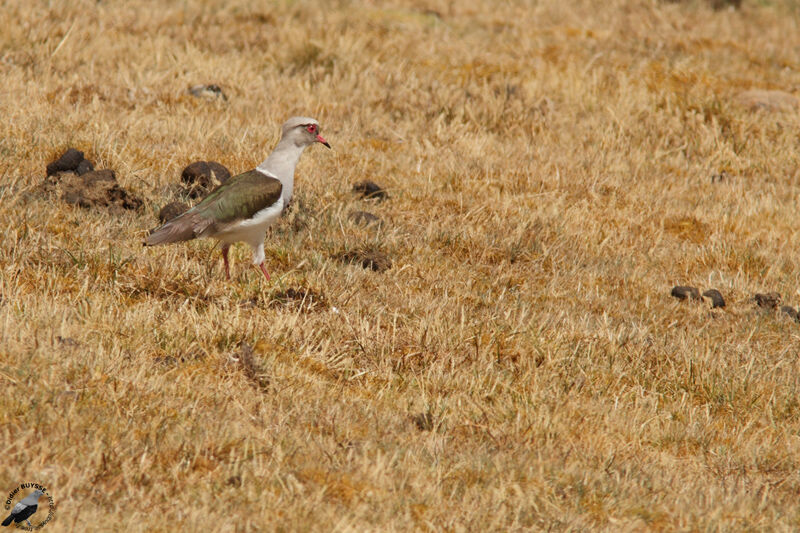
column 185, row 227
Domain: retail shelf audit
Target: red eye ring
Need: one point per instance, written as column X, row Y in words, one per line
column 311, row 128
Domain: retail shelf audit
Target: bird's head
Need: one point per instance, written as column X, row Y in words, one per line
column 303, row 131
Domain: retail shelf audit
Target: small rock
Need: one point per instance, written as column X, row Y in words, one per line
column 681, row 292
column 756, row 99
column 769, row 300
column 370, row 259
column 370, row 189
column 716, row 298
column 84, row 167
column 172, row 210
column 98, row 188
column 365, row 218
column 211, row 90
column 69, row 160
column 791, row 311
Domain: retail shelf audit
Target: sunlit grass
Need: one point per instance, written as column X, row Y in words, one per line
column 519, row 364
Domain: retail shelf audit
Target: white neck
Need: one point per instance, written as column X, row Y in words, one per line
column 281, row 163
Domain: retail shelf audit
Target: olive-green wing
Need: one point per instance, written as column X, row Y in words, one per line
column 237, row 199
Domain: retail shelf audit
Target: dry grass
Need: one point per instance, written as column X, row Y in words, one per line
column 521, row 365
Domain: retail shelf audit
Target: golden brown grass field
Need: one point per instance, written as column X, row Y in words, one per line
column 520, row 366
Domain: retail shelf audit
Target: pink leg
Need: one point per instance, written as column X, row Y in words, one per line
column 225, row 249
column 264, row 270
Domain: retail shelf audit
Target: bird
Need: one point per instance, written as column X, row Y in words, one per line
column 242, row 208
column 24, row 509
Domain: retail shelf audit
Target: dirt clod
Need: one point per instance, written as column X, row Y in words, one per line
column 220, row 171
column 98, row 188
column 50, row 183
column 84, row 167
column 791, row 311
column 201, row 177
column 69, row 160
column 716, row 298
column 370, row 259
column 172, row 210
column 197, row 173
column 682, row 292
column 370, row 189
column 768, row 300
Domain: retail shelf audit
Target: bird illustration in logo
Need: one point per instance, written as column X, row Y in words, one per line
column 24, row 509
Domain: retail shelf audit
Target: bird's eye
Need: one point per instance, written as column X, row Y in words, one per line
column 311, row 128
